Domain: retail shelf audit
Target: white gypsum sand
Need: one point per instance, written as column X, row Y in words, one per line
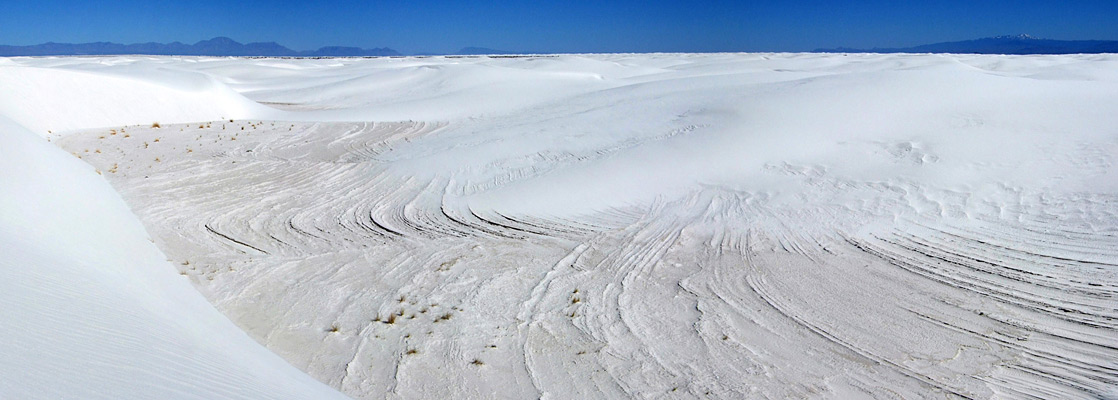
column 724, row 225
column 92, row 309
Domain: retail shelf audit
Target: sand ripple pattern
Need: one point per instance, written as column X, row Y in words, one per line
column 389, row 284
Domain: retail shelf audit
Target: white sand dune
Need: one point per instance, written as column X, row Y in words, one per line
column 45, row 100
column 93, row 310
column 616, row 226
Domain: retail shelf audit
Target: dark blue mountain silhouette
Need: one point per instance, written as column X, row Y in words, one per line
column 1015, row 44
column 219, row 46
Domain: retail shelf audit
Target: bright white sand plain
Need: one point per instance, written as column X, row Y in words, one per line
column 667, row 225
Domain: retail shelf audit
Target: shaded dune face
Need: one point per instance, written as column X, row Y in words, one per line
column 92, row 308
column 720, row 226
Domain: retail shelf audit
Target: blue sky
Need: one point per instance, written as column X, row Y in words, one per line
column 554, row 26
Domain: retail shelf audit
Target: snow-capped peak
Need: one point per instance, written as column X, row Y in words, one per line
column 1023, row 36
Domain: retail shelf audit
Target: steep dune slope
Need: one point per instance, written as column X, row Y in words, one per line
column 92, row 309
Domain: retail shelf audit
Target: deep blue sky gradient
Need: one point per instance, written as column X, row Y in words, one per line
column 555, row 26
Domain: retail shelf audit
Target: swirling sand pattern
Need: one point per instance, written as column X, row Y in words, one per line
column 389, row 284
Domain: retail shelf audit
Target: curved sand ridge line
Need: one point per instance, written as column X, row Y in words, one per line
column 324, row 243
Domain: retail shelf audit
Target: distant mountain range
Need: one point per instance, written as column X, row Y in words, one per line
column 1015, row 44
column 223, row 46
column 219, row 46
